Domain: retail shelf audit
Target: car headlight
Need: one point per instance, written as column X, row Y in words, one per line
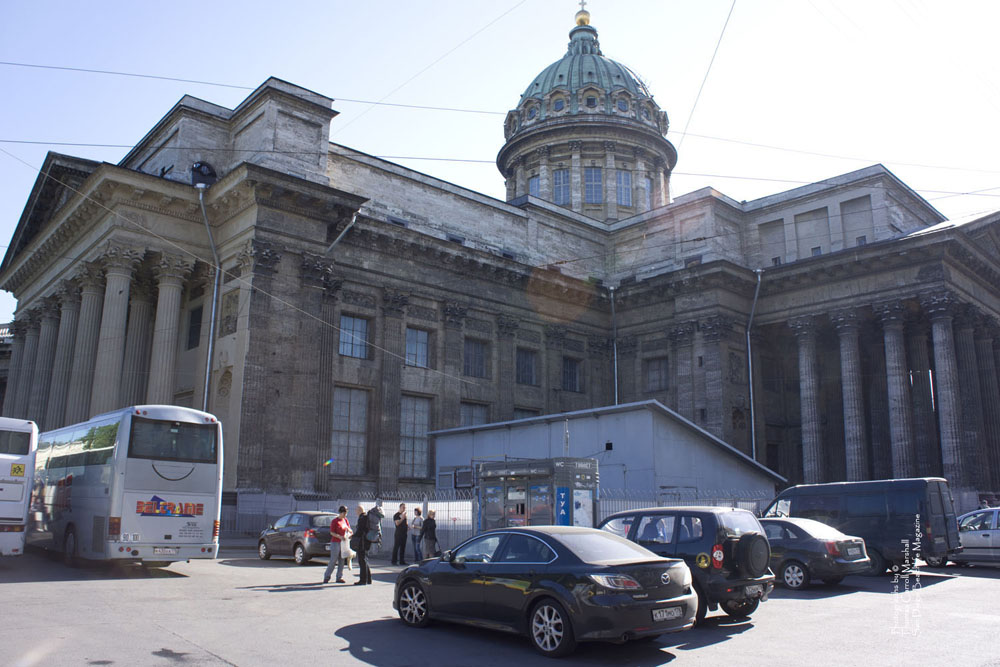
column 619, row 582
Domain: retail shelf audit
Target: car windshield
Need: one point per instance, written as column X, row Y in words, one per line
column 323, row 520
column 739, row 522
column 603, row 546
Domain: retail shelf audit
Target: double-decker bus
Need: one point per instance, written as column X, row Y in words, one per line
column 141, row 484
column 18, row 441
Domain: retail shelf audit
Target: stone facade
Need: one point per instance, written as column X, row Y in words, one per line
column 364, row 304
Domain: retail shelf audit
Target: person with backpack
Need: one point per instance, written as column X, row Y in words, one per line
column 360, row 544
column 399, row 538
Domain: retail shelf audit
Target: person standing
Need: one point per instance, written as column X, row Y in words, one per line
column 429, row 534
column 340, row 532
column 360, row 534
column 399, row 539
column 416, row 527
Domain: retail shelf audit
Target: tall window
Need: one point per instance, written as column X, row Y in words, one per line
column 527, row 365
column 417, row 347
column 649, row 193
column 350, row 431
column 533, row 187
column 571, row 375
column 353, row 337
column 194, row 328
column 656, row 374
column 474, row 360
column 624, row 187
column 560, row 186
column 415, row 413
column 592, row 185
column 475, row 413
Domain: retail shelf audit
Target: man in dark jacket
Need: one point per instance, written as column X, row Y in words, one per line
column 399, row 539
column 361, row 532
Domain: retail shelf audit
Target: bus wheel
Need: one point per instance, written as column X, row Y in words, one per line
column 69, row 548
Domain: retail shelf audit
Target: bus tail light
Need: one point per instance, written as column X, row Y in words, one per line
column 215, row 530
column 114, row 526
column 19, row 528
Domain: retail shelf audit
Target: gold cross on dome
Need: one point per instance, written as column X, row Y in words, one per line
column 583, row 5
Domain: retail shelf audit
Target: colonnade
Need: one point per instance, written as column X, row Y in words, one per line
column 94, row 344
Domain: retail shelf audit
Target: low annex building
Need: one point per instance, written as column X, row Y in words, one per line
column 364, row 305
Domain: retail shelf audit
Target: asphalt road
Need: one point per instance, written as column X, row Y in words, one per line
column 241, row 611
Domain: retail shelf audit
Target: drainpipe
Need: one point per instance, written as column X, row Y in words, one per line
column 215, row 295
column 614, row 343
column 753, row 421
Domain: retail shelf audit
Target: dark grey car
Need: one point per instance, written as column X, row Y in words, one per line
column 803, row 550
column 300, row 535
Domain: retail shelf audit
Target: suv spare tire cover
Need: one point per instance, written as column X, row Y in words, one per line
column 753, row 554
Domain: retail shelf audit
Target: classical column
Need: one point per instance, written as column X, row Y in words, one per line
column 18, row 330
column 640, row 187
column 855, row 447
column 510, row 184
column 507, row 373
column 880, row 451
column 812, row 445
column 120, row 263
column 43, row 362
column 520, row 177
column 610, row 181
column 576, row 176
column 940, row 308
column 69, row 318
column 393, row 356
column 170, row 272
column 81, row 378
column 714, row 331
column 26, row 376
column 974, row 452
column 555, row 339
column 681, row 337
column 135, row 372
column 989, row 389
column 924, row 424
column 897, row 376
column 661, row 194
column 544, row 174
column 454, row 345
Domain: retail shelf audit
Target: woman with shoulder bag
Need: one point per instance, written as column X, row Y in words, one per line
column 340, row 532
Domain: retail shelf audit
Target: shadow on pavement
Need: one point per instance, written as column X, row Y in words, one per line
column 287, row 588
column 37, row 566
column 887, row 584
column 387, row 641
column 714, row 630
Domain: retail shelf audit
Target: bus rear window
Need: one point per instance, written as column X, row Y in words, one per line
column 13, row 442
column 172, row 441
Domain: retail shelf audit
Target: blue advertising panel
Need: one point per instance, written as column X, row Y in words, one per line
column 562, row 505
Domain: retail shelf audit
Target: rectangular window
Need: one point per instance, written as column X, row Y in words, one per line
column 861, row 240
column 592, row 185
column 415, row 419
column 649, row 193
column 474, row 359
column 624, row 187
column 194, row 328
column 349, row 442
column 775, row 261
column 475, row 413
column 656, row 374
column 560, row 186
column 525, row 413
column 533, row 186
column 417, row 345
column 353, row 337
column 527, row 366
column 817, row 251
column 572, row 370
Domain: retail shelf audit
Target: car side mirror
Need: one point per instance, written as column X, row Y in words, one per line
column 447, row 556
column 270, row 526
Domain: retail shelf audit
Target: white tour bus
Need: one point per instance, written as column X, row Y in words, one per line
column 18, row 441
column 140, row 484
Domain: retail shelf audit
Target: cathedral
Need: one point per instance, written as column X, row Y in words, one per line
column 332, row 308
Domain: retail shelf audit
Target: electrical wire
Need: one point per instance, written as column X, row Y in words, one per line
column 708, row 71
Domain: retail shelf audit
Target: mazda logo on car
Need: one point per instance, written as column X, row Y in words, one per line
column 665, row 578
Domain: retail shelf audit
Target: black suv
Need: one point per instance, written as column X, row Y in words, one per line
column 725, row 548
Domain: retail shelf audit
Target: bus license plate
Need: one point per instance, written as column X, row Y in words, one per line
column 854, row 551
column 667, row 614
column 754, row 590
column 164, row 551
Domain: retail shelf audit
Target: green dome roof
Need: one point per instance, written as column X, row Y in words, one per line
column 584, row 65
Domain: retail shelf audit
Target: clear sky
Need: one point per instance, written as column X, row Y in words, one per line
column 822, row 87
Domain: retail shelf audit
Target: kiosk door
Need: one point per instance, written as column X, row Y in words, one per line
column 515, row 505
column 540, row 505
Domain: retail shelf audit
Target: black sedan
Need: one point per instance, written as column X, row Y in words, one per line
column 558, row 584
column 803, row 549
column 300, row 535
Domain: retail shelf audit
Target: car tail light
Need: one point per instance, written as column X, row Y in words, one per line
column 215, row 530
column 717, row 556
column 310, row 533
column 19, row 528
column 114, row 526
column 833, row 548
column 616, row 581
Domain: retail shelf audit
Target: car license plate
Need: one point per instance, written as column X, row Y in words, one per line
column 754, row 590
column 667, row 614
column 164, row 551
column 327, row 547
column 854, row 551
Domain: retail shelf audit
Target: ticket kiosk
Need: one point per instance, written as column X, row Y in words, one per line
column 537, row 492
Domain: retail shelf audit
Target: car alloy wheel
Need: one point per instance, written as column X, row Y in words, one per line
column 935, row 561
column 550, row 629
column 413, row 605
column 793, row 575
column 301, row 557
column 262, row 551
